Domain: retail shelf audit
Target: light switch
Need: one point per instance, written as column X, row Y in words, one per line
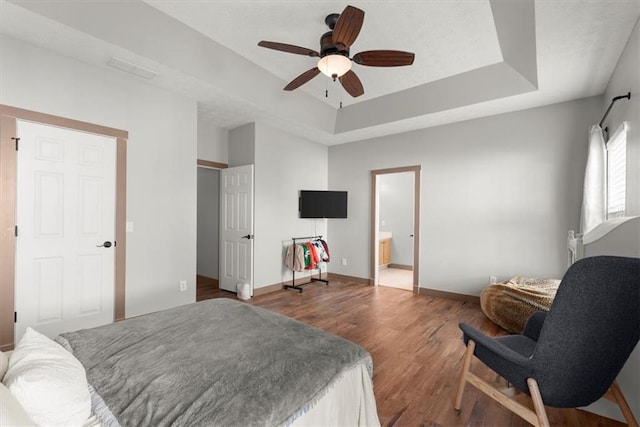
column 129, row 226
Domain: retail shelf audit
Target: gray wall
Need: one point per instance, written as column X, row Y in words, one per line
column 395, row 214
column 208, row 222
column 242, row 145
column 626, row 78
column 161, row 156
column 498, row 194
column 213, row 141
column 285, row 164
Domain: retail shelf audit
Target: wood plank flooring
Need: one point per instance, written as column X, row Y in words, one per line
column 416, row 348
column 207, row 288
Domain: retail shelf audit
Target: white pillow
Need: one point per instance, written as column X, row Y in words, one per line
column 11, row 413
column 48, row 381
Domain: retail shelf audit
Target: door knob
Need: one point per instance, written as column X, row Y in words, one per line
column 248, row 236
column 106, row 244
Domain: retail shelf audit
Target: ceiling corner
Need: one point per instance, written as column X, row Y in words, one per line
column 515, row 23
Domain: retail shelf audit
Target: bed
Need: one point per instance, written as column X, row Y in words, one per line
column 216, row 362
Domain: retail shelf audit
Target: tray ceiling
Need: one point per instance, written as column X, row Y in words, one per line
column 473, row 58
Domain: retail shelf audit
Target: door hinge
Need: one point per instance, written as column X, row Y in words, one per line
column 16, row 140
column 15, row 317
column 15, row 231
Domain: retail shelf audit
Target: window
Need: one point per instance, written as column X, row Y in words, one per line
column 617, row 172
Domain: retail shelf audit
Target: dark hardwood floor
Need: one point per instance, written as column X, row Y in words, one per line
column 416, row 348
column 207, row 288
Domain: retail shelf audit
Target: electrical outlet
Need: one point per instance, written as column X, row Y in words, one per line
column 344, row 261
column 492, row 280
column 183, row 285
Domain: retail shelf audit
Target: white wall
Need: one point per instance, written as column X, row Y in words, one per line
column 213, row 142
column 626, row 78
column 395, row 208
column 498, row 194
column 284, row 165
column 161, row 156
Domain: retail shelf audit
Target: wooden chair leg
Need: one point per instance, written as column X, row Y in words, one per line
column 538, row 405
column 618, row 397
column 471, row 345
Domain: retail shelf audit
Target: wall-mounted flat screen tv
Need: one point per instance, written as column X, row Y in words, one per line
column 323, row 204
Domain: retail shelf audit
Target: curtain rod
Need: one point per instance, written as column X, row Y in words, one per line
column 613, row 101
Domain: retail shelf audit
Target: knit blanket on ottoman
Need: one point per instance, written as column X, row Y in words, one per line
column 509, row 304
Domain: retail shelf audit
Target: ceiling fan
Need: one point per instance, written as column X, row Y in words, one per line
column 334, row 53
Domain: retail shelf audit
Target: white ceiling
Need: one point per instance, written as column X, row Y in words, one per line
column 473, row 57
column 410, row 26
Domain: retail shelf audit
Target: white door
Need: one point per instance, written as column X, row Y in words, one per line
column 65, row 215
column 236, row 227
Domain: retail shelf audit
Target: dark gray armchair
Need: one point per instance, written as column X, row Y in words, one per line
column 570, row 356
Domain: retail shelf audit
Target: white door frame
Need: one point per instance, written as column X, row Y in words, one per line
column 8, row 117
column 373, row 271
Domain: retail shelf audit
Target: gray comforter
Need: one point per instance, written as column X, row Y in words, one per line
column 217, row 362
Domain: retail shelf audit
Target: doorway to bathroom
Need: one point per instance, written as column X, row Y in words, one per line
column 395, row 225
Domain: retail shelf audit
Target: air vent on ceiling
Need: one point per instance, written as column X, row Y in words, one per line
column 123, row 65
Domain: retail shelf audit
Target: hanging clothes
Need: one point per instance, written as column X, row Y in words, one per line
column 306, row 253
column 313, row 256
column 294, row 258
column 323, row 256
column 326, row 249
column 306, row 256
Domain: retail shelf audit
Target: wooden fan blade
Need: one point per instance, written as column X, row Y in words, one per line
column 352, row 84
column 384, row 58
column 289, row 48
column 348, row 26
column 302, row 79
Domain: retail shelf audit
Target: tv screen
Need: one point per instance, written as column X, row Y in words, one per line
column 323, row 204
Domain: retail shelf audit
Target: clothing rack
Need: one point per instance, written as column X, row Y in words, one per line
column 613, row 101
column 313, row 279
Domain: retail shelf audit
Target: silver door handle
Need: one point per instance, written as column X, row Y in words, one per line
column 106, row 244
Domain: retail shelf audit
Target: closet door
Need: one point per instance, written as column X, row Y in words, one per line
column 66, row 219
column 236, row 227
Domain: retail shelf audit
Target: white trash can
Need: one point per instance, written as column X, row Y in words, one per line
column 244, row 291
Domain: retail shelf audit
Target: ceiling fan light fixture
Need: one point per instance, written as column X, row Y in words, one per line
column 334, row 65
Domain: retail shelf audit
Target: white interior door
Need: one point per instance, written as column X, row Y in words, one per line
column 236, row 227
column 65, row 216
